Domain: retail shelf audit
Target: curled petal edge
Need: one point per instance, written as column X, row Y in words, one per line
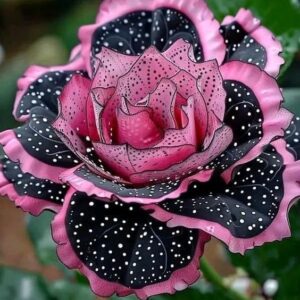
column 90, row 189
column 276, row 119
column 28, row 164
column 27, row 204
column 263, row 36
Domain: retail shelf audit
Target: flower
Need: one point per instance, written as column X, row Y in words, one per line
column 165, row 128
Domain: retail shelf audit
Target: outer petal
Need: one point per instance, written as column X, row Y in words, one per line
column 32, row 194
column 248, row 212
column 250, row 42
column 175, row 19
column 129, row 252
column 41, row 86
column 37, row 147
column 82, row 179
column 249, row 87
column 292, row 137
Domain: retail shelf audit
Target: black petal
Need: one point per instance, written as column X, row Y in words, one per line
column 245, row 118
column 292, row 137
column 246, row 206
column 44, row 92
column 137, row 31
column 26, row 184
column 39, row 139
column 154, row 191
column 241, row 46
column 123, row 244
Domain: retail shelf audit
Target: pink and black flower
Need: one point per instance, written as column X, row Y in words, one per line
column 165, row 128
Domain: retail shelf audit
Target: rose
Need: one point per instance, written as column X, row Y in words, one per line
column 151, row 118
column 162, row 129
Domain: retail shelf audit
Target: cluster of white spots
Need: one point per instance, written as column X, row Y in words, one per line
column 292, row 136
column 244, row 116
column 241, row 46
column 45, row 91
column 26, row 184
column 133, row 33
column 121, row 243
column 246, row 206
column 151, row 191
column 40, row 141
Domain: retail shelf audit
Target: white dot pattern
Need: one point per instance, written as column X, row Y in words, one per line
column 26, row 184
column 123, row 244
column 39, row 140
column 45, row 91
column 244, row 116
column 241, row 46
column 152, row 191
column 292, row 137
column 133, row 33
column 246, row 206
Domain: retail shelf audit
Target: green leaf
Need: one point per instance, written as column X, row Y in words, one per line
column 278, row 260
column 64, row 290
column 21, row 285
column 292, row 99
column 18, row 285
column 39, row 230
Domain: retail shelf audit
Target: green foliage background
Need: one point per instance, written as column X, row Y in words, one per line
column 280, row 261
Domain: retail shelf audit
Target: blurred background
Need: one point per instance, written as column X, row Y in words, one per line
column 44, row 32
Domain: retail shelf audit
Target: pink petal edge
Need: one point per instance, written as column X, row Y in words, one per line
column 263, row 36
column 28, row 164
column 278, row 230
column 34, row 72
column 82, row 185
column 28, row 204
column 197, row 10
column 179, row 280
column 270, row 98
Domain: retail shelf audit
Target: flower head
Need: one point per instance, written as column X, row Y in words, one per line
column 164, row 128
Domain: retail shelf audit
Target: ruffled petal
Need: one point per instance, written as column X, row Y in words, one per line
column 292, row 137
column 249, row 42
column 194, row 163
column 131, row 27
column 37, row 147
column 41, row 87
column 32, row 194
column 249, row 211
column 253, row 111
column 84, row 180
column 122, row 250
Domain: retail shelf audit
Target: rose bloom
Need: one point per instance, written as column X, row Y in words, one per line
column 165, row 128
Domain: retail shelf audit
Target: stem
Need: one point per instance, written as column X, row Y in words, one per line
column 213, row 277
